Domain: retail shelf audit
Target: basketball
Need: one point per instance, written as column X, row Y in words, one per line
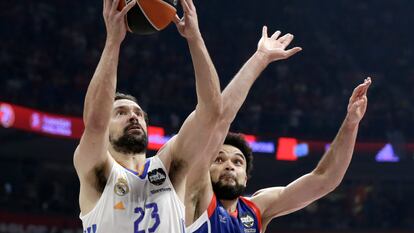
column 149, row 16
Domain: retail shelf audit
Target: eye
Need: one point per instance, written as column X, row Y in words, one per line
column 218, row 160
column 120, row 113
column 238, row 162
column 138, row 113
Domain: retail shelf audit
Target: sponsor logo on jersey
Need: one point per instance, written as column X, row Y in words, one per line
column 157, row 176
column 160, row 190
column 250, row 230
column 121, row 187
column 247, row 220
column 222, row 218
column 119, row 206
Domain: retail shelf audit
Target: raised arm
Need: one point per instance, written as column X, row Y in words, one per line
column 207, row 81
column 199, row 127
column 268, row 50
column 327, row 175
column 199, row 190
column 92, row 149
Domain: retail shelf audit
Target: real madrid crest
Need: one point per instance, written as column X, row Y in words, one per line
column 121, row 187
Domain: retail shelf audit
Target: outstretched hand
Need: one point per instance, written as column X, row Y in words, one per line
column 358, row 102
column 188, row 25
column 274, row 47
column 115, row 20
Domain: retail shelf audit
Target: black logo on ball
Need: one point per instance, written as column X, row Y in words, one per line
column 157, row 176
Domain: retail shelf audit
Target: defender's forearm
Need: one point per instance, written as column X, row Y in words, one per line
column 236, row 91
column 336, row 160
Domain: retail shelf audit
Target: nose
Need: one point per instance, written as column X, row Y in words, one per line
column 133, row 118
column 229, row 166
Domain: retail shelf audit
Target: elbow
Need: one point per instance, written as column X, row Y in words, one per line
column 228, row 113
column 211, row 111
column 217, row 106
column 328, row 181
column 331, row 186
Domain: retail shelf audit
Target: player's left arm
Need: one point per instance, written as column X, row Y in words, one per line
column 199, row 126
column 206, row 77
column 328, row 174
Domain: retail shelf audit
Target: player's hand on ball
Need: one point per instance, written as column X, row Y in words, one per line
column 274, row 47
column 358, row 103
column 188, row 25
column 115, row 20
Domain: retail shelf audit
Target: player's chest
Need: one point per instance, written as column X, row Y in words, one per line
column 243, row 222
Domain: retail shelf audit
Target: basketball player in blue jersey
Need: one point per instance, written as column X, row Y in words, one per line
column 120, row 189
column 214, row 202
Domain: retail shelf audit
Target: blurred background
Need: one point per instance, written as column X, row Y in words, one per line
column 49, row 51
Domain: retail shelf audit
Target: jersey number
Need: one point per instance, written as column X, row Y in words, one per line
column 91, row 229
column 154, row 215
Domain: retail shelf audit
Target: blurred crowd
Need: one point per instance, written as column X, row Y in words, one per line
column 49, row 50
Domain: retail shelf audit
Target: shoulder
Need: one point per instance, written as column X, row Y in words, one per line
column 251, row 205
column 165, row 153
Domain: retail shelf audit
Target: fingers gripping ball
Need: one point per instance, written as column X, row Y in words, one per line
column 149, row 16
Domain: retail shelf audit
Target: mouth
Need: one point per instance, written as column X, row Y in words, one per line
column 134, row 129
column 228, row 177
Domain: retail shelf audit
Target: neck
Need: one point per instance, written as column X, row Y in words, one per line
column 133, row 162
column 230, row 205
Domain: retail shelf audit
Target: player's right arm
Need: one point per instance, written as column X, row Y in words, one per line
column 91, row 156
column 270, row 49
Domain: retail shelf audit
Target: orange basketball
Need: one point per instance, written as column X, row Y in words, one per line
column 149, row 16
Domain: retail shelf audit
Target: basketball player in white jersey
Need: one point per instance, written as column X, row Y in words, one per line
column 213, row 201
column 121, row 191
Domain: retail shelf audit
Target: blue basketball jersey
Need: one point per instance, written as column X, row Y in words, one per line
column 216, row 219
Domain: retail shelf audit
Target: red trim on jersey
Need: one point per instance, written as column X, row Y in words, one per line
column 255, row 209
column 212, row 206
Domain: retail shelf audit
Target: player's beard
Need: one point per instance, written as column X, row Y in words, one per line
column 130, row 143
column 228, row 192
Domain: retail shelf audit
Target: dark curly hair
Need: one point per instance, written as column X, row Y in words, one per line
column 122, row 96
column 237, row 140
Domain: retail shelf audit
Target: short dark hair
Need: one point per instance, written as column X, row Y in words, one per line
column 122, row 96
column 237, row 140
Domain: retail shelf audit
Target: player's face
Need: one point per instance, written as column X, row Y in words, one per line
column 228, row 173
column 127, row 128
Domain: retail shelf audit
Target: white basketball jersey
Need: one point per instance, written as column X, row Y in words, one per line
column 133, row 203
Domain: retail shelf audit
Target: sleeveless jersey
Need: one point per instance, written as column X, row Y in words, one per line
column 133, row 203
column 216, row 219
